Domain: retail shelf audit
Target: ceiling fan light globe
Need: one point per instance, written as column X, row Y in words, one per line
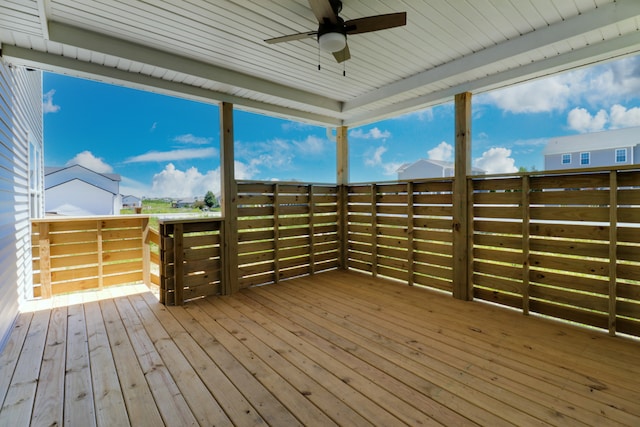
column 332, row 42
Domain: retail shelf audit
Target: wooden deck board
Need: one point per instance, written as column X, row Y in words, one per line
column 337, row 348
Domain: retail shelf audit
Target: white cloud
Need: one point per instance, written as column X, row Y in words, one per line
column 539, row 96
column 278, row 154
column 391, row 168
column 621, row 117
column 375, row 158
column 442, row 152
column 581, row 120
column 373, row 133
column 173, row 155
column 603, row 85
column 243, row 171
column 312, row 145
column 154, row 126
column 47, row 103
column 172, row 182
column 274, row 154
column 192, row 139
column 89, row 161
column 496, row 160
column 611, row 83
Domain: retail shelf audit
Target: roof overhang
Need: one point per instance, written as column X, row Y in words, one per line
column 215, row 52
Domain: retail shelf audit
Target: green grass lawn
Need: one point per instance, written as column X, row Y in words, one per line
column 162, row 207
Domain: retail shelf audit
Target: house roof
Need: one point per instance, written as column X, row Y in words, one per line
column 49, row 170
column 618, row 138
column 442, row 163
column 81, row 181
column 56, row 176
column 214, row 51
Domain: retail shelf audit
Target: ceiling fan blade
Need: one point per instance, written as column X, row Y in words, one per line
column 375, row 23
column 322, row 10
column 291, row 37
column 342, row 55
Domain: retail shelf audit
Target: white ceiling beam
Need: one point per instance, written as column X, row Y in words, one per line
column 581, row 24
column 607, row 50
column 43, row 13
column 85, row 39
column 69, row 66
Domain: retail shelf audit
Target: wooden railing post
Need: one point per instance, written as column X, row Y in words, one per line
column 229, row 203
column 613, row 253
column 45, row 260
column 526, row 223
column 178, row 263
column 410, row 225
column 374, row 230
column 100, row 255
column 342, row 179
column 276, row 233
column 312, row 230
column 146, row 252
column 462, row 286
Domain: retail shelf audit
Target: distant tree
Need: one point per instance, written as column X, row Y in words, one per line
column 210, row 199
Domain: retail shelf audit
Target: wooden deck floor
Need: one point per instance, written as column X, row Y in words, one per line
column 337, row 348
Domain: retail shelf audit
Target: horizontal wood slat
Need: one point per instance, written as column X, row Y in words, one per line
column 191, row 261
column 285, row 230
column 71, row 254
column 396, row 230
column 570, row 246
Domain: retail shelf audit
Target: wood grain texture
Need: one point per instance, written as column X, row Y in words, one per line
column 335, row 348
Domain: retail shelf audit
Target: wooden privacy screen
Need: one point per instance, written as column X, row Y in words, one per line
column 563, row 245
column 86, row 253
column 285, row 230
column 402, row 231
column 190, row 259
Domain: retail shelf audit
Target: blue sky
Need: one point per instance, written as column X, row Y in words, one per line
column 165, row 146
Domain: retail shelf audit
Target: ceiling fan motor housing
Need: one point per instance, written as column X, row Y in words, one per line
column 332, row 37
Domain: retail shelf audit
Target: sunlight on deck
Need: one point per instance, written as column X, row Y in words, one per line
column 83, row 297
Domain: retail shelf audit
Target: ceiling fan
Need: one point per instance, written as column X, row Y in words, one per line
column 333, row 30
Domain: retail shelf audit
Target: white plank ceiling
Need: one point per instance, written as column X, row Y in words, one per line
column 214, row 50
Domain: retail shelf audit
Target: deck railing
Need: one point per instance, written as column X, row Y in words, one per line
column 564, row 244
column 285, row 230
column 74, row 254
column 191, row 259
column 561, row 244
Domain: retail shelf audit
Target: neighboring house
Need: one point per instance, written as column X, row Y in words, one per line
column 182, row 203
column 608, row 148
column 427, row 168
column 131, row 201
column 77, row 191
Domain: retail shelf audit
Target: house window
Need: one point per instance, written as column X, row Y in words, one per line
column 585, row 158
column 621, row 155
column 35, row 180
column 566, row 159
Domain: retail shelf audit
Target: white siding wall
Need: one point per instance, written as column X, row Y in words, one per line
column 20, row 121
column 77, row 198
